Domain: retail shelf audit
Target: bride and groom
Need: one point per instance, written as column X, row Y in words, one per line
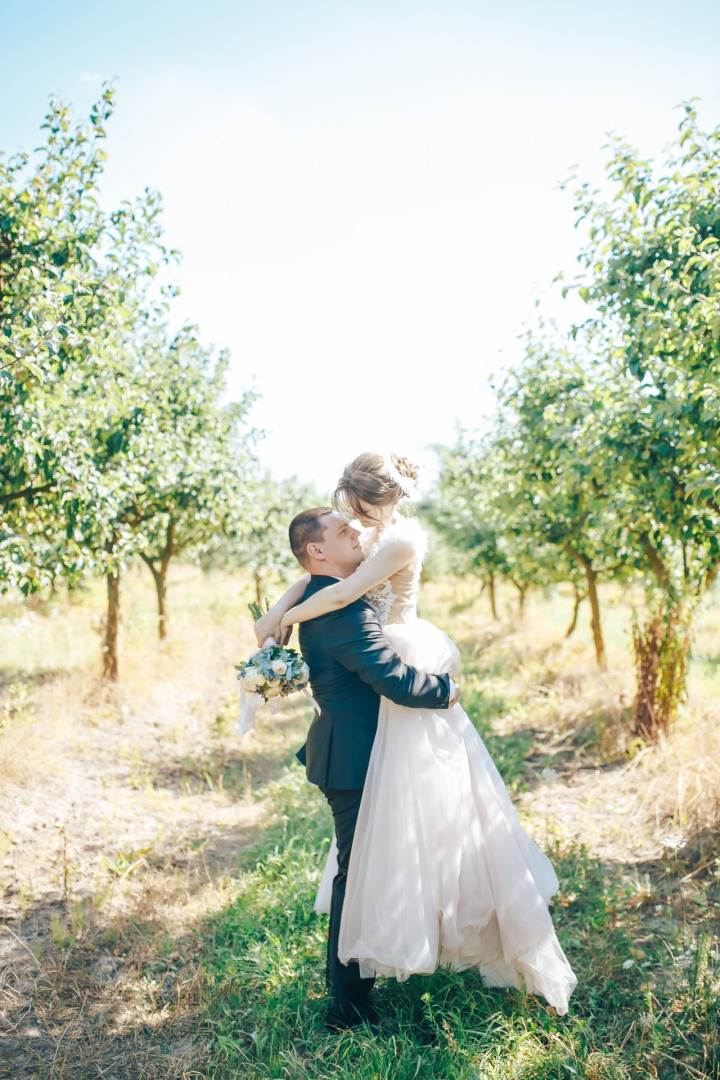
column 432, row 866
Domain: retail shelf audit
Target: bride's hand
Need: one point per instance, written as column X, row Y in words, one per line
column 269, row 626
column 286, row 630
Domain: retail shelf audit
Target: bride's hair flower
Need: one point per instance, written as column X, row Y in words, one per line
column 377, row 480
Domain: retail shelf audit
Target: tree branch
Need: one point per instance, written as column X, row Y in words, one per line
column 582, row 559
column 169, row 546
column 26, row 493
column 148, row 562
column 657, row 565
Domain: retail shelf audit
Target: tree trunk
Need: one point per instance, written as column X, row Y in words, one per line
column 595, row 619
column 491, row 590
column 112, row 625
column 662, row 647
column 521, row 597
column 159, row 577
column 591, row 577
column 160, row 588
column 579, row 597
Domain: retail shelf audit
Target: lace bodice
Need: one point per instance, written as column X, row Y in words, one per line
column 395, row 600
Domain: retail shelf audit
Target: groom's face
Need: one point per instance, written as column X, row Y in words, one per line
column 340, row 545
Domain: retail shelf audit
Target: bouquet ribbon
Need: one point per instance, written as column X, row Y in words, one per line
column 248, row 707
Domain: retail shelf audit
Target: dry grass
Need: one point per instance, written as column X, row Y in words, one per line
column 124, row 811
column 622, row 797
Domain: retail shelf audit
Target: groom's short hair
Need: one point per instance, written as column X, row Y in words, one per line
column 307, row 528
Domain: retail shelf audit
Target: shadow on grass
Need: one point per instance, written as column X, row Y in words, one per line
column 95, row 987
column 81, row 1009
column 636, row 1012
column 243, row 995
column 16, row 677
column 241, row 766
column 107, row 990
column 523, row 755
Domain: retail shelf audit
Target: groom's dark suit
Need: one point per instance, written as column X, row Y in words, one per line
column 351, row 666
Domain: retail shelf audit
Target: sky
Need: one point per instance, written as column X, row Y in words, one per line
column 366, row 194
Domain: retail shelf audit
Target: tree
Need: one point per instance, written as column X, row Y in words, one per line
column 464, row 509
column 203, row 484
column 652, row 275
column 555, row 479
column 265, row 548
column 70, row 278
column 262, row 546
column 51, row 229
column 460, row 511
column 164, row 465
column 114, row 436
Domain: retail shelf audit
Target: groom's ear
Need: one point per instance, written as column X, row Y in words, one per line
column 315, row 552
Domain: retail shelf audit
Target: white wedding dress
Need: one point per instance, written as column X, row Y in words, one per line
column 441, row 871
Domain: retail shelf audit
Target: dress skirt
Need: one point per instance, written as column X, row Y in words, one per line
column 441, row 871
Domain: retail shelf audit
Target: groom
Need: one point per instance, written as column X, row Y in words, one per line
column 351, row 665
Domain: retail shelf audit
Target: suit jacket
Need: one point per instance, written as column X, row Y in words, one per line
column 351, row 666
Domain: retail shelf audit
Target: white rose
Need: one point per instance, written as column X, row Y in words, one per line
column 279, row 667
column 273, row 690
column 250, row 672
column 249, row 683
column 260, row 681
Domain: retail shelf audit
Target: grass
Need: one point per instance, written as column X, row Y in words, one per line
column 646, row 1004
column 159, row 876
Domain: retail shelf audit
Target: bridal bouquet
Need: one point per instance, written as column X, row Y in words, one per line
column 272, row 672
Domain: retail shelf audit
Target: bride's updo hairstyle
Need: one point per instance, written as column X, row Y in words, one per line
column 375, row 480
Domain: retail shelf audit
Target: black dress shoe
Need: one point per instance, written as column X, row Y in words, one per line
column 354, row 1018
column 364, row 1027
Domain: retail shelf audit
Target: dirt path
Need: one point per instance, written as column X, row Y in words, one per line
column 122, row 819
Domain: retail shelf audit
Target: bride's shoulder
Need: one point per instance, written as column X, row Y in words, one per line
column 408, row 533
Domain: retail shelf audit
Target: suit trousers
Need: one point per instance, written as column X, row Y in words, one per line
column 349, row 991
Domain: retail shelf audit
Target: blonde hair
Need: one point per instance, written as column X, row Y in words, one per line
column 376, row 480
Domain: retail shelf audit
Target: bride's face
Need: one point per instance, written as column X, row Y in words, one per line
column 370, row 516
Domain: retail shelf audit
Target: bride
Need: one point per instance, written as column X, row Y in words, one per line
column 441, row 871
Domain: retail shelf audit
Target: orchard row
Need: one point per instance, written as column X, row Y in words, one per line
column 116, row 439
column 604, row 458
